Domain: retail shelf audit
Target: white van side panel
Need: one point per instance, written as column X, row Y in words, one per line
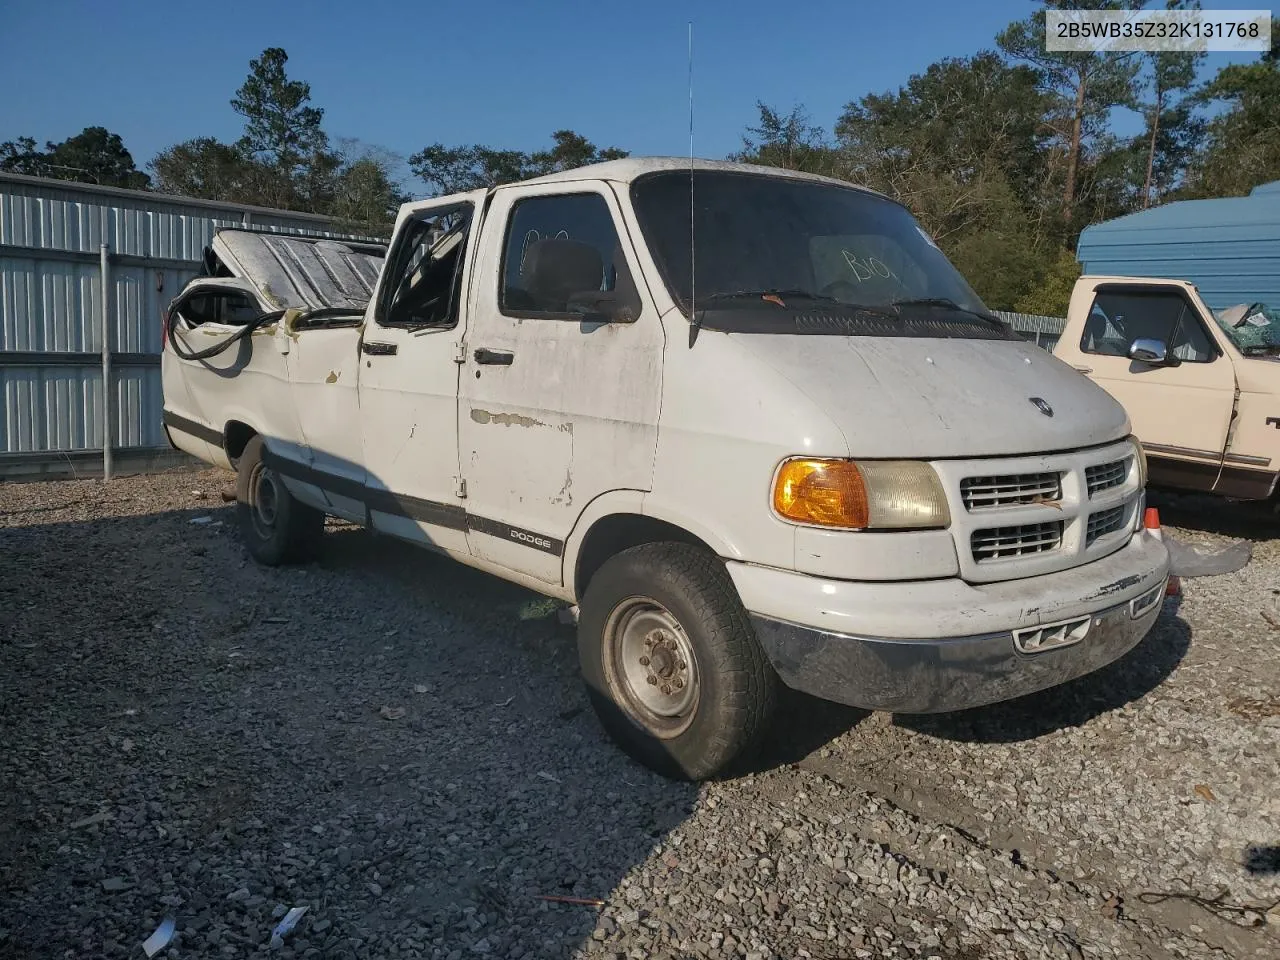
column 727, row 422
column 324, row 369
column 606, row 504
column 573, row 415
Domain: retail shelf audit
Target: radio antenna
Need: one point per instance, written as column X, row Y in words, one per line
column 693, row 262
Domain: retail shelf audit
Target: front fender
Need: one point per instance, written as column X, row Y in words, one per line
column 606, row 504
column 638, row 503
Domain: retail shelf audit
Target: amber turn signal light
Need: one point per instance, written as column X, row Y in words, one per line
column 825, row 492
column 866, row 495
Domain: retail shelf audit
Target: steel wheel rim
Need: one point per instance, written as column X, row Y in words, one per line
column 264, row 500
column 650, row 666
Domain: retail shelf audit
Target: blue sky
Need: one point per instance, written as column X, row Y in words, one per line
column 403, row 75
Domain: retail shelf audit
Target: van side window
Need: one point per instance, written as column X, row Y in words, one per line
column 423, row 287
column 563, row 258
column 230, row 307
column 1117, row 319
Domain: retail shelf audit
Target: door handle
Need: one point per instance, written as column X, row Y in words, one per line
column 497, row 357
column 1083, row 369
column 377, row 349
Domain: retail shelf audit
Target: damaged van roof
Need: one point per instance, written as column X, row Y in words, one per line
column 303, row 273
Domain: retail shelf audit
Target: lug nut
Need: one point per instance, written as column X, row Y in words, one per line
column 653, row 681
column 644, row 661
column 681, row 665
column 666, row 688
column 679, row 683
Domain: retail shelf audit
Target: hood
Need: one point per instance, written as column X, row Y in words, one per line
column 301, row 273
column 934, row 398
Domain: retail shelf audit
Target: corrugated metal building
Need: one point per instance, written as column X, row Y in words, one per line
column 62, row 245
column 1228, row 247
column 53, row 235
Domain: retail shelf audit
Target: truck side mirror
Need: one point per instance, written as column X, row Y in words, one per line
column 1154, row 352
column 601, row 307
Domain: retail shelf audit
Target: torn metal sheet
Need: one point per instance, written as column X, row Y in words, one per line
column 1188, row 561
column 161, row 938
column 285, row 926
column 300, row 272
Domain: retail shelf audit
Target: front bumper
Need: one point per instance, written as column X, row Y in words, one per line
column 1024, row 635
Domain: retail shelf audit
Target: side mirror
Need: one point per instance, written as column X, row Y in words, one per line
column 601, row 308
column 1151, row 351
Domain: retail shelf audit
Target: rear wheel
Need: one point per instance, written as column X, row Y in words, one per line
column 671, row 661
column 276, row 527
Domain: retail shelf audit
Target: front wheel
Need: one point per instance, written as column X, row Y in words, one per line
column 276, row 527
column 671, row 661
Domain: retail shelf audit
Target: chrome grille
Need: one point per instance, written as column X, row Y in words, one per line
column 1104, row 522
column 1003, row 543
column 985, row 493
column 1104, row 476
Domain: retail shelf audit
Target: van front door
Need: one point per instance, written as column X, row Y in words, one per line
column 562, row 378
column 1180, row 409
column 409, row 375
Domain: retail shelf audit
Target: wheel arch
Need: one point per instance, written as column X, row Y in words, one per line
column 623, row 519
column 236, row 435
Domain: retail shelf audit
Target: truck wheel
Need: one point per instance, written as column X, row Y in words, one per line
column 275, row 526
column 671, row 661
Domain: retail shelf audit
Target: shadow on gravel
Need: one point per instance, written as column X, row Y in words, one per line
column 1130, row 678
column 393, row 739
column 1206, row 514
column 802, row 725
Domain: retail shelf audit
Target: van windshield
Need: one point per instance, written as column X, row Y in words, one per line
column 764, row 242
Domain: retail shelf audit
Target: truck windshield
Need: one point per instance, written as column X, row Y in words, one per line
column 1254, row 328
column 762, row 241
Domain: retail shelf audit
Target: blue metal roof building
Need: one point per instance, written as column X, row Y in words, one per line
column 1228, row 247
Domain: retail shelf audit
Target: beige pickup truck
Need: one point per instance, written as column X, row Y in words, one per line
column 1202, row 389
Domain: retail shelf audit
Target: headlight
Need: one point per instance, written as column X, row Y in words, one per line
column 1141, row 455
column 868, row 495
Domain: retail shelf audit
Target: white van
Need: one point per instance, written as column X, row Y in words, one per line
column 825, row 463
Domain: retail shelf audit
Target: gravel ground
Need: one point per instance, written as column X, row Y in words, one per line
column 402, row 745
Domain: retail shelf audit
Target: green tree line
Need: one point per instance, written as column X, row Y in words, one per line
column 1004, row 155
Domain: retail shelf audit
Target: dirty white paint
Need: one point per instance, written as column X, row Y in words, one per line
column 1073, row 508
column 506, row 466
column 915, row 610
column 324, row 371
column 409, row 403
column 573, row 416
column 961, row 398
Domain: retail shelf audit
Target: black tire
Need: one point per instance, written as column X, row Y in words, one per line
column 631, row 604
column 276, row 527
